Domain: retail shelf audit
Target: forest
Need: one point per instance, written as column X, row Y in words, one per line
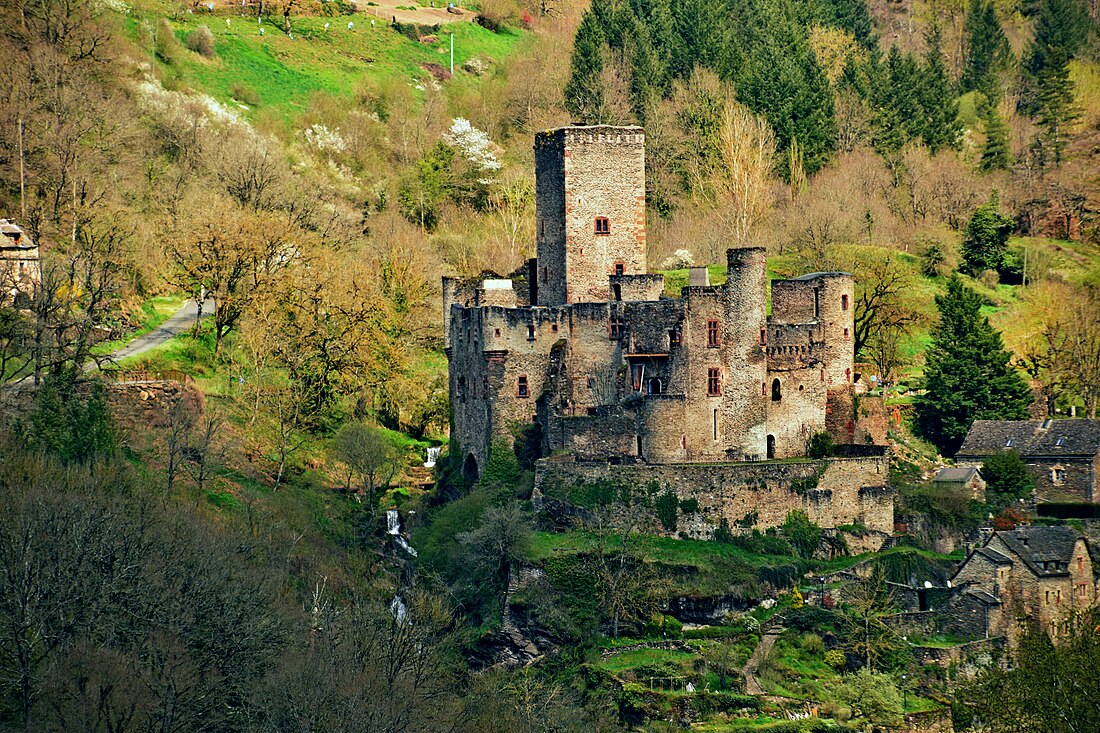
column 260, row 545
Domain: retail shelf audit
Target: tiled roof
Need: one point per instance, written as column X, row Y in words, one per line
column 1033, row 437
column 987, row 598
column 955, row 474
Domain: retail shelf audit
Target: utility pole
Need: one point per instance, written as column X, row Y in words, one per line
column 22, row 177
column 452, row 54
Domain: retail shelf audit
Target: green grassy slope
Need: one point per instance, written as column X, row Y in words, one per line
column 285, row 72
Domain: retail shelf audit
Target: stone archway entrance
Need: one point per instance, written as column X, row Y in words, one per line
column 470, row 470
column 771, row 447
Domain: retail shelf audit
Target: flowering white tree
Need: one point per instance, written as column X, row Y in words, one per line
column 473, row 144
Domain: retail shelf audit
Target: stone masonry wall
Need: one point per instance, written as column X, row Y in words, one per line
column 734, row 490
column 603, row 172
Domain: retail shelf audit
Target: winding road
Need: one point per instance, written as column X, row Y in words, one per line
column 177, row 323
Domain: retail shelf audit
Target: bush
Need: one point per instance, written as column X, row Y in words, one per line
column 812, row 644
column 667, row 508
column 245, row 94
column 801, row 532
column 836, row 659
column 821, row 445
column 165, row 43
column 201, row 41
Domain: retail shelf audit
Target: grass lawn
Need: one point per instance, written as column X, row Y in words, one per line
column 283, row 73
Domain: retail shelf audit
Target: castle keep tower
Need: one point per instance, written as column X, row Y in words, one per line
column 590, row 209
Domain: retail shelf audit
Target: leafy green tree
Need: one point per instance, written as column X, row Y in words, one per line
column 967, row 373
column 496, row 545
column 873, row 697
column 986, row 239
column 867, row 634
column 584, row 91
column 1049, row 688
column 996, row 154
column 801, row 532
column 987, row 51
column 73, row 429
column 1007, row 477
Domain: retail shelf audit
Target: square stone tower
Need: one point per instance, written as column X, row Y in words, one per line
column 590, row 208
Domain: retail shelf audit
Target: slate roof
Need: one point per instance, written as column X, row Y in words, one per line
column 955, row 474
column 816, row 275
column 993, row 555
column 1031, row 438
column 984, row 597
column 1047, row 551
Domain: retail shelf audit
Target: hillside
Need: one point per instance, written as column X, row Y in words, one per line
column 231, row 531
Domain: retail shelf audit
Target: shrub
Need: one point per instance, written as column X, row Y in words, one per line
column 689, row 506
column 812, row 644
column 667, row 508
column 166, row 45
column 201, row 41
column 836, row 659
column 245, row 94
column 821, row 445
column 802, row 533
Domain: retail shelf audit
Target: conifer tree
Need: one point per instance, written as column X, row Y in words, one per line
column 986, row 239
column 996, row 155
column 941, row 128
column 987, row 51
column 1060, row 30
column 584, row 91
column 967, row 373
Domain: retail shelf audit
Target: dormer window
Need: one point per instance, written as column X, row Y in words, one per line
column 1010, row 442
column 603, row 226
column 1047, row 423
column 1060, row 442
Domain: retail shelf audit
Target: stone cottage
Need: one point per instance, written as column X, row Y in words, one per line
column 1037, row 575
column 965, row 480
column 1063, row 455
column 20, row 270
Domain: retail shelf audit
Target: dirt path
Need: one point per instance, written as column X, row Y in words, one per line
column 438, row 15
column 752, row 685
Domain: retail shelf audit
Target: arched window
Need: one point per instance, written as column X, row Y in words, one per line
column 777, row 391
column 654, row 386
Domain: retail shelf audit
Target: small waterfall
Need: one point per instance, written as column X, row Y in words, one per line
column 398, row 609
column 393, row 528
column 433, row 456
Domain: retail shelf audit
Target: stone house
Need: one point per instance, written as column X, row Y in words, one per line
column 583, row 344
column 966, row 480
column 1038, row 575
column 20, row 269
column 1063, row 455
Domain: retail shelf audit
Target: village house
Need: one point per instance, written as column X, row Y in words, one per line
column 1063, row 455
column 20, row 270
column 964, row 480
column 1037, row 575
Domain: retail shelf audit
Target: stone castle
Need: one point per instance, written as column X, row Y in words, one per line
column 583, row 342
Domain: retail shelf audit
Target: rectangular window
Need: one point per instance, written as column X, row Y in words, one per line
column 674, row 337
column 620, row 268
column 530, row 332
column 715, row 424
column 521, row 386
column 636, row 376
column 844, row 302
column 763, row 336
column 617, row 327
column 603, row 226
column 714, row 384
column 712, row 334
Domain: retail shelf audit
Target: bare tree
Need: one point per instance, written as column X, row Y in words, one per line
column 204, row 453
column 369, row 455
